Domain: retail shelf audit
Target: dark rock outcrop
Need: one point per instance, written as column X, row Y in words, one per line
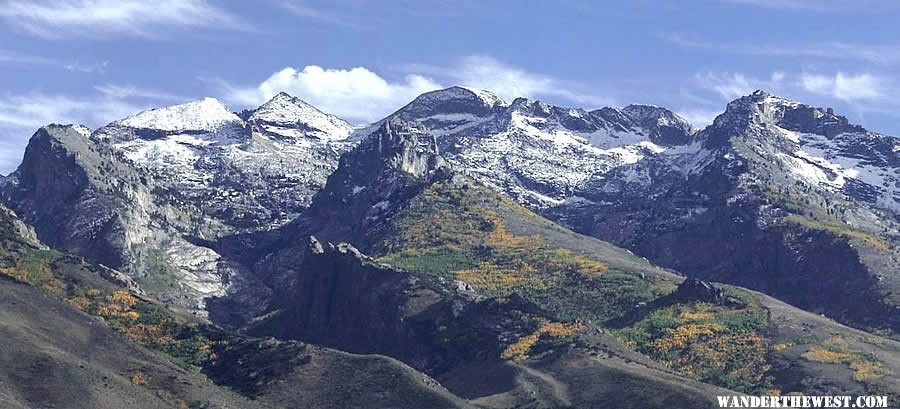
column 693, row 289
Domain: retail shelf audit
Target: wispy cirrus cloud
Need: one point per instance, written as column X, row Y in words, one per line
column 846, row 87
column 866, row 90
column 121, row 92
column 89, row 68
column 62, row 18
column 35, row 109
column 732, row 85
column 817, row 5
column 875, row 53
column 21, row 114
column 19, row 58
column 858, row 88
column 316, row 14
column 15, row 57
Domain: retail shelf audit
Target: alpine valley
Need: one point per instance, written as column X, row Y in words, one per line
column 463, row 252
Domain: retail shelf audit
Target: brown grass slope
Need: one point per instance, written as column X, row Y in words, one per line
column 55, row 356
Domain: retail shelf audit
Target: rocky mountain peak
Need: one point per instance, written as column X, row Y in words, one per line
column 451, row 101
column 776, row 120
column 665, row 127
column 60, row 140
column 763, row 107
column 289, row 116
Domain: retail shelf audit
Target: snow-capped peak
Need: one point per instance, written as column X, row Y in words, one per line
column 207, row 114
column 488, row 97
column 763, row 100
column 285, row 113
column 763, row 107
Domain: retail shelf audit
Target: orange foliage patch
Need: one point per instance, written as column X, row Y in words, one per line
column 519, row 350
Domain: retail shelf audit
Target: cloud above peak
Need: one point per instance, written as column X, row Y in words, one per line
column 846, row 87
column 731, row 86
column 356, row 94
column 882, row 54
column 510, row 82
column 361, row 95
column 858, row 93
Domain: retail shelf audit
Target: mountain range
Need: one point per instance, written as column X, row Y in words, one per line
column 574, row 258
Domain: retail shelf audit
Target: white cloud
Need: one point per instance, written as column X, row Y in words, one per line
column 357, row 94
column 843, row 86
column 58, row 18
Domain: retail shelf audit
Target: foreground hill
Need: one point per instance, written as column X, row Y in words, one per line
column 56, row 356
column 82, row 335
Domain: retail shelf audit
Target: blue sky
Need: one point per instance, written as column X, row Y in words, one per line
column 94, row 61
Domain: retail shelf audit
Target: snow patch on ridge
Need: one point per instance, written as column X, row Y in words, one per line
column 487, row 97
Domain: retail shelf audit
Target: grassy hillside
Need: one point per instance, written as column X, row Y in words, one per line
column 722, row 345
column 187, row 343
column 459, row 230
column 56, row 355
